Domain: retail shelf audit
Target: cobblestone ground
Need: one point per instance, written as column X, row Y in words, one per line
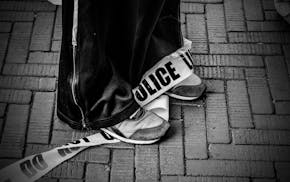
column 239, row 132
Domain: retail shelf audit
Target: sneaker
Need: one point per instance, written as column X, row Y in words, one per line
column 189, row 89
column 55, row 2
column 144, row 127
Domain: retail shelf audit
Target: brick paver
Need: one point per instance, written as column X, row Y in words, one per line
column 230, row 168
column 238, row 105
column 191, row 8
column 234, row 15
column 256, row 49
column 244, row 136
column 57, row 33
column 196, row 31
column 268, row 4
column 55, row 45
column 194, row 133
column 217, row 119
column 63, row 180
column 96, row 155
column 68, row 170
column 267, row 26
column 5, row 26
column 15, row 96
column 216, row 23
column 19, row 43
column 97, row 172
column 43, row 57
column 36, row 148
column 16, row 16
column 278, row 80
column 257, row 37
column 26, row 6
column 28, row 83
column 203, row 179
column 40, row 118
column 283, row 171
column 238, row 132
column 2, row 109
column 13, row 138
column 228, row 60
column 287, row 56
column 272, row 122
column 219, row 72
column 214, row 85
column 249, row 152
column 30, row 70
column 171, row 151
column 282, row 107
column 42, row 31
column 263, row 180
column 3, row 46
column 175, row 111
column 253, row 10
column 258, row 90
column 272, row 15
column 146, row 163
column 122, row 166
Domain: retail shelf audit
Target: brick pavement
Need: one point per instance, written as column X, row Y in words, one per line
column 239, row 132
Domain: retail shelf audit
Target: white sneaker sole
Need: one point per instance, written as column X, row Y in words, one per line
column 127, row 140
column 180, row 97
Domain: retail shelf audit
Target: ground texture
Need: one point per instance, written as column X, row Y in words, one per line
column 239, row 132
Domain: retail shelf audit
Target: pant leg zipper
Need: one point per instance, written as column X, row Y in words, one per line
column 75, row 79
column 73, row 88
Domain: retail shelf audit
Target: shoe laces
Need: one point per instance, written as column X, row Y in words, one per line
column 138, row 114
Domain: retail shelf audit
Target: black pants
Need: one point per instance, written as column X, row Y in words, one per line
column 117, row 42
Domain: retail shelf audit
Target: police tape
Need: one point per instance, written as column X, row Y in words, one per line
column 34, row 167
column 168, row 72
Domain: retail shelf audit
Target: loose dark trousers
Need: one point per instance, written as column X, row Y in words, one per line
column 117, row 42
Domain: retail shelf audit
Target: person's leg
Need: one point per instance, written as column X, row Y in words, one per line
column 114, row 48
column 105, row 57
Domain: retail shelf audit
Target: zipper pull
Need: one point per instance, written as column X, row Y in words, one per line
column 84, row 123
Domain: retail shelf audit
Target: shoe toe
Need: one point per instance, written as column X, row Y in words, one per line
column 188, row 92
column 151, row 133
column 149, row 126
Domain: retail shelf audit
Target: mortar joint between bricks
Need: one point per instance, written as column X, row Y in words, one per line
column 53, row 28
column 244, row 16
column 275, row 170
column 158, row 163
column 225, row 23
column 6, row 50
column 134, row 164
column 206, row 132
column 250, row 103
column 85, row 169
column 263, row 10
column 110, row 163
column 268, row 85
column 30, row 38
column 227, row 110
column 52, row 118
column 27, row 123
column 183, row 141
column 206, row 30
column 285, row 59
column 4, row 118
